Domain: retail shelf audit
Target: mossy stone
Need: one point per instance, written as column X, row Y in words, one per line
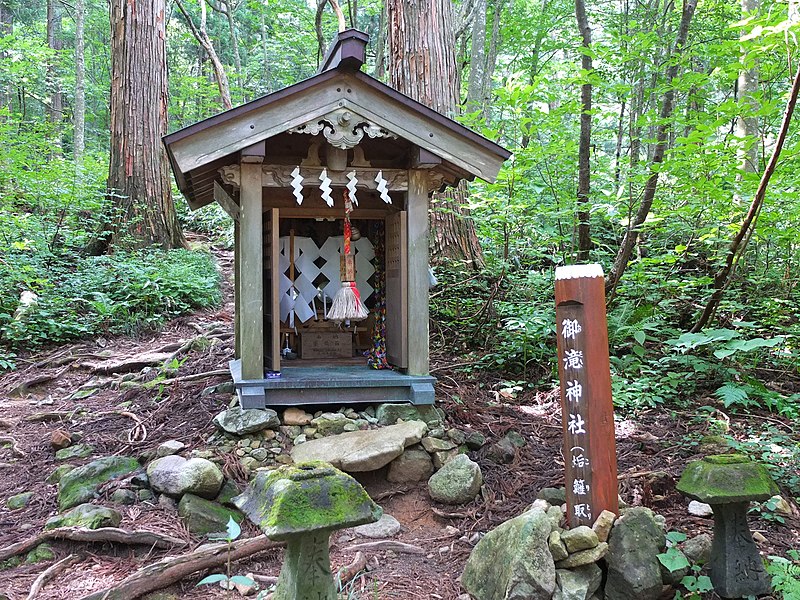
column 81, row 484
column 86, row 515
column 725, row 479
column 42, row 553
column 306, row 497
column 76, row 451
column 19, row 501
column 59, row 472
column 203, row 517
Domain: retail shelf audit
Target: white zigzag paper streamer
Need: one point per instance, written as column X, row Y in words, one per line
column 351, row 186
column 325, row 186
column 297, row 184
column 384, row 191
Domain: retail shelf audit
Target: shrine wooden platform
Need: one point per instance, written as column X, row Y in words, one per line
column 351, row 384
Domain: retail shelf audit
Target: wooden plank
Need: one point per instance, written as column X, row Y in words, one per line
column 251, row 306
column 226, row 202
column 396, row 287
column 418, row 281
column 588, row 413
column 272, row 297
column 237, row 292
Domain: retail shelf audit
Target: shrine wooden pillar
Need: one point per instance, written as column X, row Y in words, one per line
column 250, row 288
column 418, row 281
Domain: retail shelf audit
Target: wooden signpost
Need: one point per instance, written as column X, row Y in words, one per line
column 590, row 455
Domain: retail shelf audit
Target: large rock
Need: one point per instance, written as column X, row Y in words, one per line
column 296, row 416
column 366, row 450
column 80, row 485
column 388, row 414
column 457, row 482
column 174, row 475
column 412, row 465
column 239, row 421
column 202, row 516
column 513, row 562
column 332, row 423
column 86, row 515
column 579, row 583
column 634, row 571
column 698, row 549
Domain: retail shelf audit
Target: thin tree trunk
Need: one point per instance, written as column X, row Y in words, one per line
column 747, row 124
column 634, row 225
column 79, row 115
column 237, row 57
column 264, row 46
column 422, row 65
column 55, row 110
column 739, row 244
column 6, row 28
column 380, row 47
column 477, row 60
column 585, row 140
column 138, row 180
column 201, row 35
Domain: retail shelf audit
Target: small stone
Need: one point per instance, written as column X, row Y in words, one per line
column 412, row 465
column 385, row 527
column 388, row 414
column 438, row 433
column 351, row 413
column 290, row 431
column 60, row 438
column 516, row 439
column 296, row 416
column 579, row 538
column 255, row 444
column 240, row 452
column 203, row 517
column 757, row 537
column 123, row 496
column 700, row 509
column 240, row 421
column 268, row 434
column 436, row 445
column 300, row 439
column 578, row 583
column 169, row 447
column 167, row 503
column 603, row 523
column 475, row 440
column 276, row 450
column 42, row 553
column 556, row 516
column 350, row 427
column 698, row 549
column 781, row 506
column 145, row 495
column 76, row 451
column 457, row 436
column 174, row 475
column 557, row 547
column 503, row 452
column 227, row 493
column 555, row 496
column 284, row 459
column 243, row 443
column 86, row 515
column 140, row 480
column 331, row 423
column 19, row 501
column 584, row 557
column 457, row 482
column 249, row 464
column 440, row 459
column 260, row 454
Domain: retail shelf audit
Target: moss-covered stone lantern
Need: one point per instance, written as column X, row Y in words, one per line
column 729, row 482
column 302, row 505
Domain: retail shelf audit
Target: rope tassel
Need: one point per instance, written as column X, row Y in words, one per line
column 347, row 304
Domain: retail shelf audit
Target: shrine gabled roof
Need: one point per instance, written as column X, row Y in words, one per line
column 198, row 147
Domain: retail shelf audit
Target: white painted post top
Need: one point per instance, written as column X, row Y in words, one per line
column 579, row 271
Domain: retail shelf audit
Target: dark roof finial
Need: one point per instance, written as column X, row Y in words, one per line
column 348, row 51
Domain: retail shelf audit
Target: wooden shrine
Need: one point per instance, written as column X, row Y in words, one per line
column 281, row 166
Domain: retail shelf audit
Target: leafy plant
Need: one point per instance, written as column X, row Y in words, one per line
column 785, row 574
column 232, row 533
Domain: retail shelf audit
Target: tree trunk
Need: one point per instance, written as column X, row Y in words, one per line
column 632, row 231
column 477, row 60
column 201, row 35
column 138, row 179
column 55, row 109
column 79, row 113
column 585, row 140
column 6, row 28
column 422, row 65
column 747, row 124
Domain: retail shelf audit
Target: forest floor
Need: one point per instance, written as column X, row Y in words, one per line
column 653, row 447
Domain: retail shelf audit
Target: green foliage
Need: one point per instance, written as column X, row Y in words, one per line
column 673, row 559
column 231, row 534
column 119, row 293
column 785, row 574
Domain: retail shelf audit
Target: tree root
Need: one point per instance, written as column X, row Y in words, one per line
column 349, row 572
column 172, row 569
column 388, row 545
column 50, row 573
column 15, row 450
column 104, row 534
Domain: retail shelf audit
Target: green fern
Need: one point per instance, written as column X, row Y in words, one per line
column 732, row 393
column 785, row 577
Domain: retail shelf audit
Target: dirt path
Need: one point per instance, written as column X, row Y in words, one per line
column 115, row 414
